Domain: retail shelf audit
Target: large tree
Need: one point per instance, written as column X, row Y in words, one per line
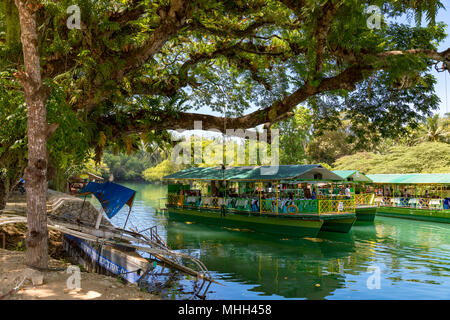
column 141, row 65
column 295, row 135
column 37, row 133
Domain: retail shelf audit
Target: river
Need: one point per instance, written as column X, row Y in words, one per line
column 388, row 259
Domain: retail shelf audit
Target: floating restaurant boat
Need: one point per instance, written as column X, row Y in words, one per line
column 285, row 200
column 366, row 208
column 413, row 196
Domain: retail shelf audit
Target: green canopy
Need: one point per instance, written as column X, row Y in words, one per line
column 352, row 175
column 257, row 173
column 411, row 178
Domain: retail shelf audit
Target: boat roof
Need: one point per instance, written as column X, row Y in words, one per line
column 355, row 174
column 256, row 173
column 411, row 178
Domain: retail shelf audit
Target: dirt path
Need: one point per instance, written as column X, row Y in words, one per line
column 93, row 286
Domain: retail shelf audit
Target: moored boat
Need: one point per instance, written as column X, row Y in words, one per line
column 365, row 209
column 413, row 196
column 281, row 200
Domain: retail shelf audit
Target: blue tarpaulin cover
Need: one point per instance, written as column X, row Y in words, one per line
column 112, row 196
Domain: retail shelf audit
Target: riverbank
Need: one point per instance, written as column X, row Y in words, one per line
column 94, row 286
column 54, row 287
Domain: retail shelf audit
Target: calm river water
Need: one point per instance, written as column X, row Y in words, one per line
column 411, row 258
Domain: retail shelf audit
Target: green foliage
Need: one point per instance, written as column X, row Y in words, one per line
column 11, row 27
column 210, row 152
column 116, row 82
column 435, row 129
column 164, row 168
column 70, row 143
column 427, row 157
column 68, row 147
column 20, row 246
column 229, row 56
column 13, row 151
column 123, row 167
column 329, row 145
column 295, row 134
column 325, row 165
column 377, row 109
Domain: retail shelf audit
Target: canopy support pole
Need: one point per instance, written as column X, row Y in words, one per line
column 260, row 197
column 277, row 195
column 393, row 193
column 99, row 219
column 82, row 206
column 129, row 211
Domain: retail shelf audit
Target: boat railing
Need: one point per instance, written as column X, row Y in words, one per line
column 331, row 197
column 297, row 206
column 242, row 204
column 413, row 202
column 267, row 206
column 212, row 202
column 340, row 206
column 364, row 199
column 175, row 199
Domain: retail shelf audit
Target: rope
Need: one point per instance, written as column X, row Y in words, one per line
column 16, row 288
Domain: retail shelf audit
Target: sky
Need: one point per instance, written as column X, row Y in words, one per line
column 443, row 78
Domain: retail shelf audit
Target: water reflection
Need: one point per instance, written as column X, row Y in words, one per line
column 286, row 268
column 413, row 256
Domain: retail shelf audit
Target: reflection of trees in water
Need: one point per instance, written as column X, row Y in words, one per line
column 149, row 194
column 289, row 268
column 407, row 251
column 405, row 247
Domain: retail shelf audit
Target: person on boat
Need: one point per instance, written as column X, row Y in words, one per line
column 255, row 207
column 307, row 194
column 347, row 192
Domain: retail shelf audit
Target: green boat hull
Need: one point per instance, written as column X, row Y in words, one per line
column 286, row 226
column 416, row 214
column 342, row 225
column 366, row 213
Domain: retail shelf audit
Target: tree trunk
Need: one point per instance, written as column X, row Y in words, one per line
column 3, row 195
column 36, row 171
